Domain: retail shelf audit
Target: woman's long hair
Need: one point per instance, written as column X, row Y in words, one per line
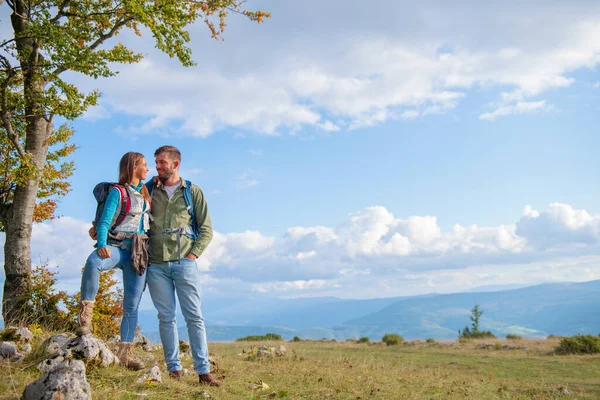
column 128, row 163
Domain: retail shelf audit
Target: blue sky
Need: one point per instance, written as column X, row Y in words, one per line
column 362, row 150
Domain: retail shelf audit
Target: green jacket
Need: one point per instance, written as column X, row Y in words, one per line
column 172, row 213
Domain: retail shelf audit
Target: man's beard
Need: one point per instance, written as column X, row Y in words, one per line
column 165, row 175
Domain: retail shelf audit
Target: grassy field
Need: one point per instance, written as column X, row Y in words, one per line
column 329, row 370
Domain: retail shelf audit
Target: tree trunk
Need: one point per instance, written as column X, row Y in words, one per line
column 17, row 248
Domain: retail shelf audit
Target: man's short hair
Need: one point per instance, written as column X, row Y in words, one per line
column 172, row 151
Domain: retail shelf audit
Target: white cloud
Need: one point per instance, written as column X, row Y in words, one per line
column 597, row 85
column 373, row 254
column 359, row 67
column 521, row 107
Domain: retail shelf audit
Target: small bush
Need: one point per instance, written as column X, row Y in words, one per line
column 258, row 338
column 392, row 339
column 363, row 339
column 580, row 344
column 498, row 346
column 296, row 339
column 430, row 340
column 510, row 336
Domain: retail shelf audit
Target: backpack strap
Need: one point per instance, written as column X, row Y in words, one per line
column 189, row 202
column 125, row 205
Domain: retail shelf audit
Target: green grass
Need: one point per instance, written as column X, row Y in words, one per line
column 322, row 370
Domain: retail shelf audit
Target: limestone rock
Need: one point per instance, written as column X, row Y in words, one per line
column 280, row 351
column 8, row 350
column 66, row 382
column 26, row 348
column 53, row 344
column 89, row 348
column 153, row 375
column 49, row 364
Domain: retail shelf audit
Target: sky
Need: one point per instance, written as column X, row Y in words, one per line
column 364, row 149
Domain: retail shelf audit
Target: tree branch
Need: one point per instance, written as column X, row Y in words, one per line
column 4, row 114
column 98, row 41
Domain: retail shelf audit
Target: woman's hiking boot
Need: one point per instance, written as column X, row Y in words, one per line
column 84, row 318
column 127, row 358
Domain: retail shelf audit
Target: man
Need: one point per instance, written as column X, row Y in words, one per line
column 173, row 269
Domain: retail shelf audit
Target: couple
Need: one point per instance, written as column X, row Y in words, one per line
column 175, row 243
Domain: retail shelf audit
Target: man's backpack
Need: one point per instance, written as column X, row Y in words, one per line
column 187, row 196
column 101, row 194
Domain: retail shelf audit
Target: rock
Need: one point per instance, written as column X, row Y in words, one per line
column 49, row 364
column 53, row 344
column 89, row 348
column 65, row 382
column 265, row 351
column 281, row 351
column 153, row 375
column 8, row 350
column 114, row 339
column 139, row 338
column 203, row 394
column 19, row 334
column 149, row 347
column 26, row 348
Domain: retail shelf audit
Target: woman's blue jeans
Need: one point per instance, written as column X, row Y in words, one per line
column 133, row 285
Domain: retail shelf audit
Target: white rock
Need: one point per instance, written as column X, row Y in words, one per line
column 53, row 344
column 8, row 350
column 153, row 375
column 66, row 382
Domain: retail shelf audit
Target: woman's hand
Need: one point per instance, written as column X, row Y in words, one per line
column 104, row 252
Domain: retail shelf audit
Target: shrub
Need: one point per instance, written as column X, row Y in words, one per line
column 498, row 346
column 363, row 339
column 45, row 301
column 430, row 340
column 392, row 339
column 580, row 344
column 258, row 338
column 510, row 336
column 296, row 339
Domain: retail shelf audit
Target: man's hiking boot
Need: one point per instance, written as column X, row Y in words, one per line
column 207, row 379
column 84, row 318
column 128, row 358
column 176, row 374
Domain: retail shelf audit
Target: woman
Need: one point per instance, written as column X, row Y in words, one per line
column 115, row 251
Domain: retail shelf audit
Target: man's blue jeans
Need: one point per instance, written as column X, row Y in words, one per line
column 133, row 285
column 164, row 280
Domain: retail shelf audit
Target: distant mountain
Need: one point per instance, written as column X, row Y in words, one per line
column 536, row 311
column 558, row 308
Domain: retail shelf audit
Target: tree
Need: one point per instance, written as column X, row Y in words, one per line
column 51, row 37
column 476, row 313
column 474, row 332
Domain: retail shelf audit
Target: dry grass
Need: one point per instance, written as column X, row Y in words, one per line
column 321, row 370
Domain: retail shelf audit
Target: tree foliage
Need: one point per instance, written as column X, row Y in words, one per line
column 475, row 332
